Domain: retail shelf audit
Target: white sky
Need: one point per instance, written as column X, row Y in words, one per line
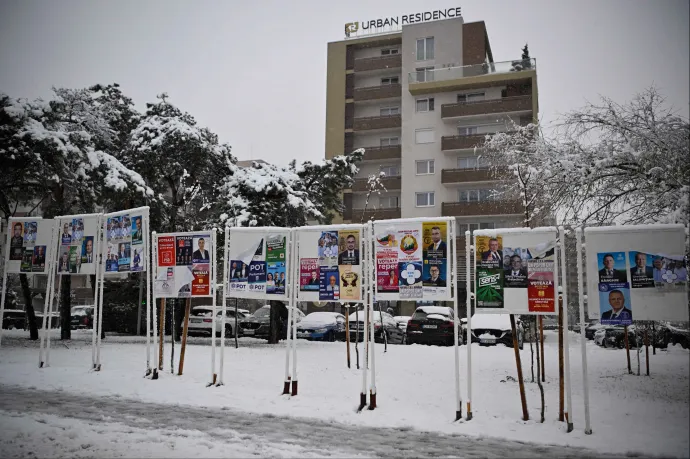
column 255, row 71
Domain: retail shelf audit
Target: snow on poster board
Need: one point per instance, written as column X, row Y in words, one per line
column 126, row 242
column 516, row 270
column 257, row 262
column 649, row 270
column 29, row 243
column 412, row 259
column 330, row 263
column 184, row 265
column 77, row 244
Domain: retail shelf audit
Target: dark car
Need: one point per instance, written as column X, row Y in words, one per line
column 14, row 318
column 679, row 334
column 324, row 326
column 592, row 328
column 432, row 325
column 258, row 325
column 81, row 317
column 492, row 329
column 384, row 327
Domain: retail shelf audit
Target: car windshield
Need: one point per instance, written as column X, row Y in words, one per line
column 199, row 312
column 423, row 313
column 263, row 312
column 321, row 317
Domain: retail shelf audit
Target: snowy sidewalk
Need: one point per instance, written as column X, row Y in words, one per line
column 59, row 424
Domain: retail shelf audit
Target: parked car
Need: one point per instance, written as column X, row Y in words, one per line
column 432, row 325
column 14, row 318
column 81, row 317
column 679, row 334
column 258, row 324
column 402, row 321
column 550, row 322
column 201, row 321
column 592, row 328
column 321, row 326
column 613, row 336
column 383, row 324
column 492, row 329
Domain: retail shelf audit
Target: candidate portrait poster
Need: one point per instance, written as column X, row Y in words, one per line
column 489, row 271
column 29, row 245
column 257, row 262
column 183, row 264
column 126, row 242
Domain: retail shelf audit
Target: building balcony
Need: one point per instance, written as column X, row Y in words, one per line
column 461, row 142
column 451, row 176
column 377, row 122
column 382, row 153
column 378, row 63
column 487, row 107
column 391, row 184
column 471, row 76
column 386, row 91
column 469, row 209
column 375, row 214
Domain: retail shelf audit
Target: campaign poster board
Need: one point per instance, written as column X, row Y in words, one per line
column 29, row 246
column 330, row 263
column 77, row 237
column 257, row 263
column 184, row 265
column 636, row 272
column 516, row 270
column 126, row 241
column 413, row 260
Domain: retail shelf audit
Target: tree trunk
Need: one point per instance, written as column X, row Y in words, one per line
column 66, row 307
column 28, row 301
column 278, row 313
column 178, row 314
column 541, row 388
column 531, row 349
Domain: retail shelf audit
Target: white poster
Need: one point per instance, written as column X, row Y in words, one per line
column 185, row 265
column 126, row 241
column 257, row 263
column 77, row 244
column 413, row 259
column 330, row 263
column 29, row 245
column 636, row 272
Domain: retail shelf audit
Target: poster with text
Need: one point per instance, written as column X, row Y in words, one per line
column 350, row 282
column 29, row 247
column 656, row 270
column 309, row 274
column 177, row 276
column 489, row 288
column 387, row 271
column 328, row 249
column 410, row 280
column 614, row 303
column 541, row 293
column 348, row 248
column 329, row 284
column 127, row 244
column 489, row 251
column 78, row 237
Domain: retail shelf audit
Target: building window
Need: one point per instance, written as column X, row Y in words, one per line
column 389, row 141
column 471, row 97
column 467, row 130
column 390, row 80
column 487, row 225
column 424, row 74
column 480, row 195
column 425, row 199
column 425, row 49
column 424, row 136
column 389, row 202
column 390, row 171
column 425, row 167
column 389, row 51
column 475, row 226
column 425, row 105
column 472, row 162
column 387, row 111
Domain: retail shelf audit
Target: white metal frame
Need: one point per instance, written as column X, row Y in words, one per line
column 583, row 324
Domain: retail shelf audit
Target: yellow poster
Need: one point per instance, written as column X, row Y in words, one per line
column 350, row 282
column 348, row 247
column 435, row 237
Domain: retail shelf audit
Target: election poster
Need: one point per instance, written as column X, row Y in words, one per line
column 126, row 242
column 412, row 259
column 350, row 280
column 309, row 274
column 540, row 287
column 614, row 303
column 257, row 261
column 329, row 285
column 29, row 243
column 489, row 272
column 183, row 263
column 77, row 240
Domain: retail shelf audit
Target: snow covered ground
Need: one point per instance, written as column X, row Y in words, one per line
column 116, row 412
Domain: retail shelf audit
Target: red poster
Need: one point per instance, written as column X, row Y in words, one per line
column 201, row 284
column 387, row 272
column 309, row 273
column 541, row 296
column 166, row 251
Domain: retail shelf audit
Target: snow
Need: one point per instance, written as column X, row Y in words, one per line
column 319, row 318
column 442, row 310
column 118, row 412
column 494, row 321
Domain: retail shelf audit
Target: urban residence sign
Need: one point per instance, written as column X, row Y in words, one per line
column 392, row 23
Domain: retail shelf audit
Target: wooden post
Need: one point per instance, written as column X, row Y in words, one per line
column 646, row 347
column 188, row 306
column 541, row 334
column 161, row 326
column 627, row 350
column 561, row 371
column 347, row 335
column 654, row 339
column 518, row 363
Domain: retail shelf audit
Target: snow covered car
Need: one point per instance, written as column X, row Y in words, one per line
column 201, row 321
column 258, row 324
column 14, row 318
column 81, row 317
column 613, row 336
column 592, row 328
column 383, row 324
column 432, row 325
column 492, row 329
column 321, row 326
column 402, row 321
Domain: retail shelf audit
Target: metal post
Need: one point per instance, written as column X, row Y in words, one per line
column 212, row 287
column 469, row 301
column 50, row 292
column 223, row 313
column 370, row 272
column 292, row 252
column 4, row 276
column 293, row 297
column 566, row 351
column 154, row 312
column 456, row 321
column 583, row 337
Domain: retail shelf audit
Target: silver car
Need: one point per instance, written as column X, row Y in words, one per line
column 201, row 321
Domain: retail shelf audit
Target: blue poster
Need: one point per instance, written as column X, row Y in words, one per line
column 257, row 272
column 329, row 284
column 275, row 279
column 614, row 303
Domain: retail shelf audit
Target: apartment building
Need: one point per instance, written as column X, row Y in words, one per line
column 419, row 100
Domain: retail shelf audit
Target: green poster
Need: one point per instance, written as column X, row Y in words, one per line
column 275, row 248
column 489, row 287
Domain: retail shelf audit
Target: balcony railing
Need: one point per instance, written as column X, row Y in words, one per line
column 386, row 91
column 454, row 73
column 459, row 142
column 487, row 107
column 377, row 122
column 378, row 63
column 466, row 209
column 467, row 175
column 391, row 183
column 381, row 213
column 382, row 153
